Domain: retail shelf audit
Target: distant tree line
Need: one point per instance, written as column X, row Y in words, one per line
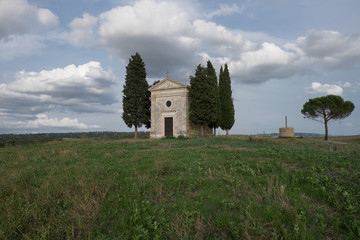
column 9, row 140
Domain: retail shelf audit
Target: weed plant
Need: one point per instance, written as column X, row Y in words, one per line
column 204, row 188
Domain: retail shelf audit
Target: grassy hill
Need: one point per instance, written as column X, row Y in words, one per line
column 237, row 188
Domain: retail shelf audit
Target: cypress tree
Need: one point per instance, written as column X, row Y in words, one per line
column 202, row 99
column 213, row 95
column 226, row 100
column 136, row 96
column 218, row 109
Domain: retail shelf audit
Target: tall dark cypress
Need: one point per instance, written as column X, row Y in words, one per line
column 213, row 95
column 226, row 100
column 136, row 96
column 201, row 99
column 218, row 108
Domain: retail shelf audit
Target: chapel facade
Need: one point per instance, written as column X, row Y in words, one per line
column 170, row 110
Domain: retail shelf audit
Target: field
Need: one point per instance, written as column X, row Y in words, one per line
column 208, row 188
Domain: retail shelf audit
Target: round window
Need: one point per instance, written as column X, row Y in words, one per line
column 168, row 103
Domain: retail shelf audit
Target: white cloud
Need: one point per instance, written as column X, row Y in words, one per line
column 23, row 28
column 325, row 89
column 20, row 45
column 331, row 48
column 222, row 39
column 166, row 34
column 82, row 88
column 86, row 88
column 268, row 61
column 19, row 17
column 146, row 17
column 226, row 10
column 46, row 17
column 160, row 31
column 170, row 37
column 43, row 121
column 82, row 30
column 346, row 85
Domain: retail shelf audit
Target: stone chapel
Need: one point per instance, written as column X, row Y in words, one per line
column 170, row 110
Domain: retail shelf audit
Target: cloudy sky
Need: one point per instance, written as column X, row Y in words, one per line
column 62, row 63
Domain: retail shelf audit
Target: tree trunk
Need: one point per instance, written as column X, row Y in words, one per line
column 135, row 132
column 227, row 132
column 326, row 131
column 202, row 130
column 214, row 131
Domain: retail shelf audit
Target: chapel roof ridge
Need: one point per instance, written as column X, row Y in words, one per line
column 171, row 80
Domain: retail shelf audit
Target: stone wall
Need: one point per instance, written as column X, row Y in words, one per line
column 194, row 130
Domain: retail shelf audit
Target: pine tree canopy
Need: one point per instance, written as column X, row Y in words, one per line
column 327, row 108
column 136, row 96
column 324, row 109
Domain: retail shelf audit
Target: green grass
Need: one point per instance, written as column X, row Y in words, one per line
column 211, row 188
column 354, row 141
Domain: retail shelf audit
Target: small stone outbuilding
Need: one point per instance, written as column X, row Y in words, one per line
column 286, row 131
column 169, row 109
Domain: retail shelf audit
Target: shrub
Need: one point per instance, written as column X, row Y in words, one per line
column 182, row 137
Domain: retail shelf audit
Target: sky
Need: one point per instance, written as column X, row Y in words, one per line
column 63, row 63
